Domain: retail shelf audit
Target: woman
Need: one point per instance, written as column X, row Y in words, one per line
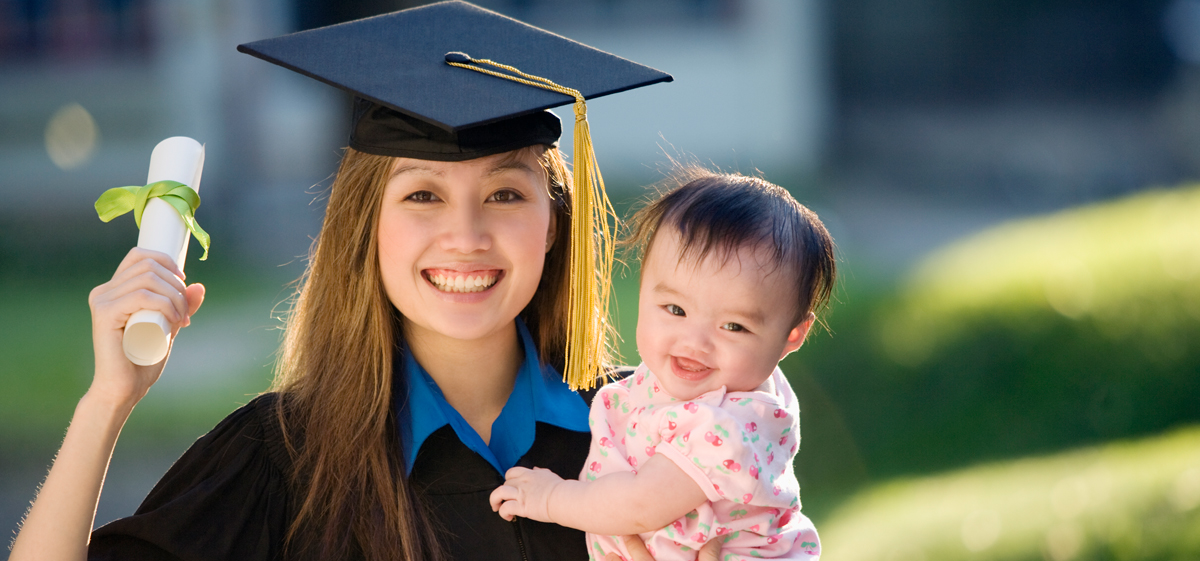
column 420, row 356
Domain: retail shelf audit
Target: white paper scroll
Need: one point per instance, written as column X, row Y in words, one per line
column 179, row 158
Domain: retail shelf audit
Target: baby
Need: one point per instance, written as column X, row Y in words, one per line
column 698, row 442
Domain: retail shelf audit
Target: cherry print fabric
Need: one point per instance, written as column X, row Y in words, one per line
column 737, row 446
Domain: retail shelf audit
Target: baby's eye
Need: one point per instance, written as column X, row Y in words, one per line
column 506, row 196
column 733, row 327
column 422, row 197
column 675, row 310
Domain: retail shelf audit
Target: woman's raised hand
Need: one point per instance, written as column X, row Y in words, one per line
column 145, row 280
column 638, row 552
column 59, row 523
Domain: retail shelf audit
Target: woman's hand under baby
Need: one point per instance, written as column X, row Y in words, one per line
column 525, row 493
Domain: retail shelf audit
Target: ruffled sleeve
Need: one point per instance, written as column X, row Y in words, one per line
column 720, row 451
column 225, row 498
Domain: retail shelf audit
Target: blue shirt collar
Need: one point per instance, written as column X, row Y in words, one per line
column 539, row 388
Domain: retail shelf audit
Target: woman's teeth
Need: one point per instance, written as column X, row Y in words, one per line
column 470, row 283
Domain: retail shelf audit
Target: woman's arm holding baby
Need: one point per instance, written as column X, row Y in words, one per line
column 615, row 504
column 59, row 523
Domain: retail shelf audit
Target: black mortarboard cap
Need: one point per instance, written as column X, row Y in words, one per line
column 409, row 102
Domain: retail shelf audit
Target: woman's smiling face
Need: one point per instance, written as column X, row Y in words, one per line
column 462, row 244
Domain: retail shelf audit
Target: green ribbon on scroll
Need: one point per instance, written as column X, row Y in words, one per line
column 119, row 200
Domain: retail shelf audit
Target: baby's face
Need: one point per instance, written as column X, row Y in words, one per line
column 710, row 324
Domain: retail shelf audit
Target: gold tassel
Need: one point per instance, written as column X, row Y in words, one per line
column 588, row 328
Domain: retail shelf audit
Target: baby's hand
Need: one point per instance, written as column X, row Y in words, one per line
column 525, row 493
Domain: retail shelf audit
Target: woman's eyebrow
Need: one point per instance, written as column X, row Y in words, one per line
column 507, row 166
column 417, row 168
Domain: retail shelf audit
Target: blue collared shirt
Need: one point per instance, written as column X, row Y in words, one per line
column 539, row 389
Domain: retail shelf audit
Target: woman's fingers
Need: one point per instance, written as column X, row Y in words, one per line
column 146, row 275
column 195, row 297
column 152, row 264
column 711, row 551
column 139, row 254
column 141, row 261
column 636, row 548
column 147, row 290
column 638, row 552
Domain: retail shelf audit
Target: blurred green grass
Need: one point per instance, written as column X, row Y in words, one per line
column 1124, row 500
column 45, row 339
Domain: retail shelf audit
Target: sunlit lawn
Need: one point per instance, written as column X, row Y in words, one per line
column 1135, row 499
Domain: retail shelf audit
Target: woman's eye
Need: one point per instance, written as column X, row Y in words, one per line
column 421, row 197
column 733, row 327
column 506, row 196
column 674, row 310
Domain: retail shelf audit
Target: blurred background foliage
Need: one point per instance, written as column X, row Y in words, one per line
column 1041, row 334
column 1031, row 336
column 1011, row 366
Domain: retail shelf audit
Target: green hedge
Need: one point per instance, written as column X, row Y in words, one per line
column 1034, row 336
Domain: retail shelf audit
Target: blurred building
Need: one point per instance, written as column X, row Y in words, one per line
column 91, row 85
column 933, row 117
column 1029, row 105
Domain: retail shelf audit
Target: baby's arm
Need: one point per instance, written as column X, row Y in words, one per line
column 618, row 504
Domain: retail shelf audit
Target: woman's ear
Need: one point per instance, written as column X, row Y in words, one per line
column 796, row 336
column 552, row 229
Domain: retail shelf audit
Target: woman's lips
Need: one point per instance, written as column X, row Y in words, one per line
column 450, row 281
column 688, row 369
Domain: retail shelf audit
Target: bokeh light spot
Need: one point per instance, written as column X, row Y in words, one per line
column 1064, row 541
column 1099, row 485
column 1070, row 289
column 980, row 530
column 1069, row 497
column 1185, row 494
column 71, row 136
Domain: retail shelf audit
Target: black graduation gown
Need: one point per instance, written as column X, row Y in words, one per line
column 227, row 497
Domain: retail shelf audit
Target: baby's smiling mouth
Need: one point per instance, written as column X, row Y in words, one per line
column 690, row 365
column 455, row 281
column 689, row 369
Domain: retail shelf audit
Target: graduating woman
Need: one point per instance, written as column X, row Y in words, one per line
column 459, row 272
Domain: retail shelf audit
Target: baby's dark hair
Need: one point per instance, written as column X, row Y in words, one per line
column 724, row 212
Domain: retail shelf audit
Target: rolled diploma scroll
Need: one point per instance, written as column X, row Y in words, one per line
column 179, row 158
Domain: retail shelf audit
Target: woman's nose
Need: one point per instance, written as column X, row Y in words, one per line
column 465, row 230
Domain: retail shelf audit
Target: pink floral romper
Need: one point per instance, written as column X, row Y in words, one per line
column 738, row 446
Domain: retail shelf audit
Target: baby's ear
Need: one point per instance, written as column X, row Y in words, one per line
column 797, row 335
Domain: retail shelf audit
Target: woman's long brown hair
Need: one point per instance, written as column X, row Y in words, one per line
column 335, row 375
